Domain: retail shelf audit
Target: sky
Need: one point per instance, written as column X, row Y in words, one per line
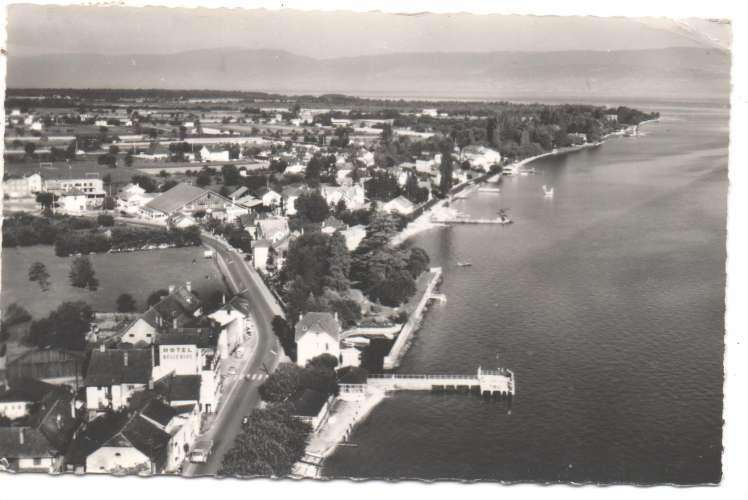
column 36, row 29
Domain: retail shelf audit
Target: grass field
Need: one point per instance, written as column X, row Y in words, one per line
column 136, row 273
column 75, row 169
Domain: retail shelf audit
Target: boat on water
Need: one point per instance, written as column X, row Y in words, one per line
column 464, row 264
column 504, row 217
column 548, row 192
column 488, row 189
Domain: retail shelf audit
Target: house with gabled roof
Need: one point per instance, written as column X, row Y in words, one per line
column 187, row 199
column 113, row 375
column 317, row 333
column 400, row 205
column 236, row 322
column 40, row 443
column 54, row 366
column 180, row 308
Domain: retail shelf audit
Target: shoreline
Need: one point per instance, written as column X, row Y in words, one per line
column 371, row 398
column 423, row 222
column 347, row 413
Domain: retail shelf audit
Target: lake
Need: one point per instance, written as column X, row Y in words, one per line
column 607, row 301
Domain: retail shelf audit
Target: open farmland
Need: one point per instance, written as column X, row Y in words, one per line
column 136, row 273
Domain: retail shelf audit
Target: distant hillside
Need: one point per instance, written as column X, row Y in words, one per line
column 672, row 72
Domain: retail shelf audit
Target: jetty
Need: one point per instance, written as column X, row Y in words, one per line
column 496, row 383
column 463, row 219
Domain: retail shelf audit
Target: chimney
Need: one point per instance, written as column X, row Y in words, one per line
column 189, row 286
column 336, row 316
column 171, row 289
column 58, row 420
column 102, row 348
column 175, row 323
column 124, row 360
column 224, row 298
column 20, row 435
column 72, row 407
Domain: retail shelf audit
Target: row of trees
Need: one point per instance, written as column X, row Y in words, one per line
column 124, row 238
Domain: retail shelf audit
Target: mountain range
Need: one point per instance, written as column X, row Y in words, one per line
column 678, row 72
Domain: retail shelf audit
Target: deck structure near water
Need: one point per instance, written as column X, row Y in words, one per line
column 468, row 220
column 498, row 382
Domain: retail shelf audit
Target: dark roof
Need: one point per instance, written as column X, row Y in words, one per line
column 239, row 192
column 28, row 389
column 178, row 303
column 179, row 387
column 93, row 435
column 317, row 322
column 202, row 337
column 46, row 364
column 24, row 442
column 56, row 418
column 119, row 366
column 176, row 197
column 147, row 438
column 308, row 403
column 159, row 412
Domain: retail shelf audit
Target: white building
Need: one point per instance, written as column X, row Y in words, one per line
column 317, row 333
column 400, row 205
column 481, row 157
column 208, row 155
column 24, row 187
column 113, row 375
column 354, row 195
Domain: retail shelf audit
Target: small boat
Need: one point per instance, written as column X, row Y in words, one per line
column 464, row 264
column 504, row 217
column 547, row 192
column 488, row 189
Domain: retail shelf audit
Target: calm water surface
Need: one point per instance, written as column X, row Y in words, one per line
column 607, row 302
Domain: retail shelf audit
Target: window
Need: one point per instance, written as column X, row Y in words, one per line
column 37, row 461
column 117, row 454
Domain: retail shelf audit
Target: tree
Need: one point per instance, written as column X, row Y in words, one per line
column 285, row 336
column 46, row 200
column 64, row 328
column 15, row 314
column 126, row 303
column 338, row 264
column 281, row 384
column 155, row 297
column 418, row 261
column 203, row 179
column 105, row 220
column 82, row 273
column 271, row 442
column 146, row 182
column 446, row 169
column 231, row 175
column 312, row 207
column 38, row 272
column 241, row 239
column 30, row 148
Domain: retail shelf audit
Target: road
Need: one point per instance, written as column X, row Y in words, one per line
column 242, row 396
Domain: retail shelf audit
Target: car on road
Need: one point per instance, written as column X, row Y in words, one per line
column 232, row 370
column 201, row 451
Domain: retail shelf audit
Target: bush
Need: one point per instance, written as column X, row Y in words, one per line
column 105, row 220
column 126, row 303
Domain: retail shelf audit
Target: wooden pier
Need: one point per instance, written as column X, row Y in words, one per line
column 499, row 382
column 468, row 220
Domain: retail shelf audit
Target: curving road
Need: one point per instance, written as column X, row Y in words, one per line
column 242, row 396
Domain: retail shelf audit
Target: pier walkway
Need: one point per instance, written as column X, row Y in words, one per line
column 498, row 382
